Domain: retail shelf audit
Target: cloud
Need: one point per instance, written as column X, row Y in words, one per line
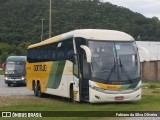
column 148, row 8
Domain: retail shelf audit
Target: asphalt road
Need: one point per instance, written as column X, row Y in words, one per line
column 12, row 90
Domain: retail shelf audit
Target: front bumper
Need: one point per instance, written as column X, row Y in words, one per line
column 15, row 81
column 98, row 97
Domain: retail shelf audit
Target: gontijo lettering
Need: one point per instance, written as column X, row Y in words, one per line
column 40, row 67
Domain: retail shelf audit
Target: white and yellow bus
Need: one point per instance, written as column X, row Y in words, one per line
column 91, row 65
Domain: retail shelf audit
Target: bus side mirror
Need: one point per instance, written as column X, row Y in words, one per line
column 146, row 53
column 88, row 53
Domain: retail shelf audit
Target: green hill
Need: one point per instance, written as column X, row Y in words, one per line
column 20, row 21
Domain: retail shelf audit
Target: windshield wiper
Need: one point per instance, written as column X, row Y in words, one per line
column 111, row 71
column 124, row 70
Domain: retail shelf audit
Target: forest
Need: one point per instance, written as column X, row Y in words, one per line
column 21, row 21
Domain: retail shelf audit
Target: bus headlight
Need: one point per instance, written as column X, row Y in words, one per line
column 97, row 88
column 22, row 78
column 6, row 78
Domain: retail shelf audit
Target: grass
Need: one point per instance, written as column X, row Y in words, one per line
column 151, row 84
column 150, row 102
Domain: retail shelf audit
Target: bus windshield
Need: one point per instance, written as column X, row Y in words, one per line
column 15, row 67
column 114, row 62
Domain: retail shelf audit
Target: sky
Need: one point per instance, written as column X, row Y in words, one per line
column 148, row 8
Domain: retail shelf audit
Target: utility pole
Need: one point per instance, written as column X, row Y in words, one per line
column 50, row 18
column 42, row 29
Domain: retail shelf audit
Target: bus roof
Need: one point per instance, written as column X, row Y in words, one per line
column 92, row 34
column 16, row 58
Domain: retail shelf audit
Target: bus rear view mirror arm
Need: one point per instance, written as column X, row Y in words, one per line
column 88, row 53
column 145, row 51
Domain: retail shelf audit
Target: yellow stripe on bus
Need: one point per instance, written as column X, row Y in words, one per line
column 108, row 86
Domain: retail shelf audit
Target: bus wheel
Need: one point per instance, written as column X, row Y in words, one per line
column 39, row 93
column 9, row 85
column 35, row 90
column 71, row 94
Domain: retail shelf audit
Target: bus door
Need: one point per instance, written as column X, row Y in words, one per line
column 76, row 92
column 84, row 79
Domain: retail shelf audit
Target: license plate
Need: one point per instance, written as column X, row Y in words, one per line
column 119, row 97
column 14, row 81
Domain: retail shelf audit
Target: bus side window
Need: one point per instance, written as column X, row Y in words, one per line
column 75, row 66
column 60, row 55
column 38, row 56
column 49, row 54
column 46, row 55
column 70, row 55
column 34, row 55
column 41, row 55
column 53, row 55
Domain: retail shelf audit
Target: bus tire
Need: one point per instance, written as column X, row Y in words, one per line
column 71, row 94
column 33, row 85
column 39, row 93
column 35, row 90
column 9, row 84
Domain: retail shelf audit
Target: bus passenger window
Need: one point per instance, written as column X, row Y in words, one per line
column 61, row 55
column 53, row 55
column 75, row 66
column 70, row 54
column 49, row 54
